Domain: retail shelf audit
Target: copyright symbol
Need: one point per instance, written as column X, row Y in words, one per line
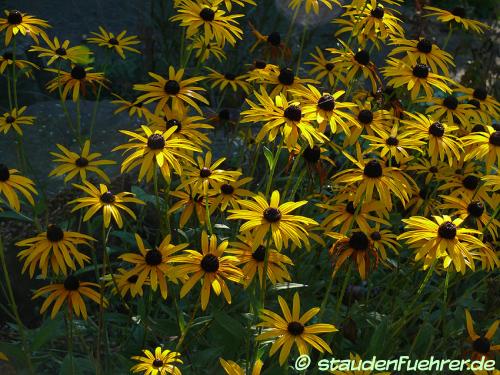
column 303, row 362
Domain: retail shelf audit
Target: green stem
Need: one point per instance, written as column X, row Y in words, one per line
column 302, row 41
column 445, row 44
column 184, row 334
column 207, row 212
column 98, row 96
column 273, row 167
column 264, row 274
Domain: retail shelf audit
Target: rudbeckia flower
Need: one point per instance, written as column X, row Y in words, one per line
column 7, row 60
column 76, row 81
column 73, row 163
column 118, row 43
column 483, row 145
column 55, row 248
column 450, row 109
column 367, row 120
column 134, row 107
column 241, row 3
column 456, row 16
column 282, row 79
column 273, row 46
column 189, row 202
column 312, row 4
column 209, row 265
column 173, row 90
column 125, row 283
column 480, row 98
column 292, row 329
column 21, row 23
column 232, row 368
column 155, row 264
column 70, row 291
column 230, row 192
column 228, row 80
column 10, row 181
column 103, row 199
column 203, row 50
column 482, row 345
column 161, row 362
column 15, row 118
column 322, row 67
column 262, row 217
column 58, row 51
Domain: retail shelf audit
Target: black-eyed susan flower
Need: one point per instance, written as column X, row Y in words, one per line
column 374, row 176
column 16, row 23
column 103, row 199
column 322, row 67
column 57, row 51
column 192, row 202
column 232, row 368
column 155, row 264
column 366, row 120
column 206, row 175
column 155, row 149
column 375, row 18
column 173, row 90
column 284, row 117
column 327, row 108
column 77, row 81
column 207, row 17
column 70, row 291
column 422, row 51
column 13, row 119
column 73, row 164
column 483, row 146
column 241, row 3
column 482, row 345
column 467, row 185
column 273, row 46
column 211, row 266
column 358, row 247
column 347, row 25
column 281, row 79
column 7, row 59
column 11, row 182
column 456, row 16
column 415, row 77
column 133, row 107
column 230, row 192
column 118, row 43
column 480, row 98
column 442, row 239
column 291, row 329
column 161, row 362
column 383, row 240
column 228, row 79
column 449, row 109
column 312, row 4
column 203, row 51
column 422, row 200
column 55, row 248
column 441, row 143
column 491, row 181
column 351, row 63
column 432, row 172
column 262, row 217
column 252, row 261
column 125, row 283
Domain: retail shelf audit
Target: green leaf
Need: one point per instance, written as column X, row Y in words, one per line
column 50, row 330
column 424, row 340
column 269, row 157
column 234, row 327
column 378, row 340
column 15, row 216
column 142, row 195
column 125, row 236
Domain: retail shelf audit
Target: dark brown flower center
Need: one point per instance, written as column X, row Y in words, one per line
column 274, row 38
column 326, row 103
column 210, row 263
column 362, row 57
column 227, row 189
column 495, row 138
column 153, row 257
column 259, row 254
column 133, row 279
column 295, row 328
column 312, row 155
column 392, row 141
column 172, row 87
column 475, row 209
column 293, row 113
column 81, row 162
column 329, row 66
column 272, row 215
column 350, row 208
column 157, row 363
column 421, row 71
column 174, row 122
column 156, row 142
column 475, row 103
column 481, row 345
column 230, row 76
column 113, row 41
column 436, row 129
column 433, row 169
column 207, row 14
column 78, row 72
column 424, row 45
column 259, row 64
column 205, row 172
column 4, row 173
column 480, row 93
column 378, row 12
column 15, row 17
column 478, row 128
column 365, row 116
column 71, row 283
column 450, row 102
column 8, row 56
column 54, row 233
column 422, row 193
column 61, row 51
column 224, row 115
column 10, row 119
column 359, row 241
column 376, row 236
column 470, row 182
column 373, row 169
column 458, row 11
column 447, row 230
column 107, row 197
column 286, row 77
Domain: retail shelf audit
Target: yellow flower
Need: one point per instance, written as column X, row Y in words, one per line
column 77, row 81
column 204, row 50
column 209, row 265
column 10, row 181
column 456, row 16
column 119, row 43
column 15, row 118
column 55, row 248
column 230, row 192
column 134, row 107
column 189, row 202
column 162, row 362
column 291, row 329
column 62, row 51
column 126, row 283
column 312, row 4
column 232, row 368
column 73, row 163
column 228, row 79
column 482, row 345
column 7, row 60
column 322, row 67
column 262, row 217
column 25, row 24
